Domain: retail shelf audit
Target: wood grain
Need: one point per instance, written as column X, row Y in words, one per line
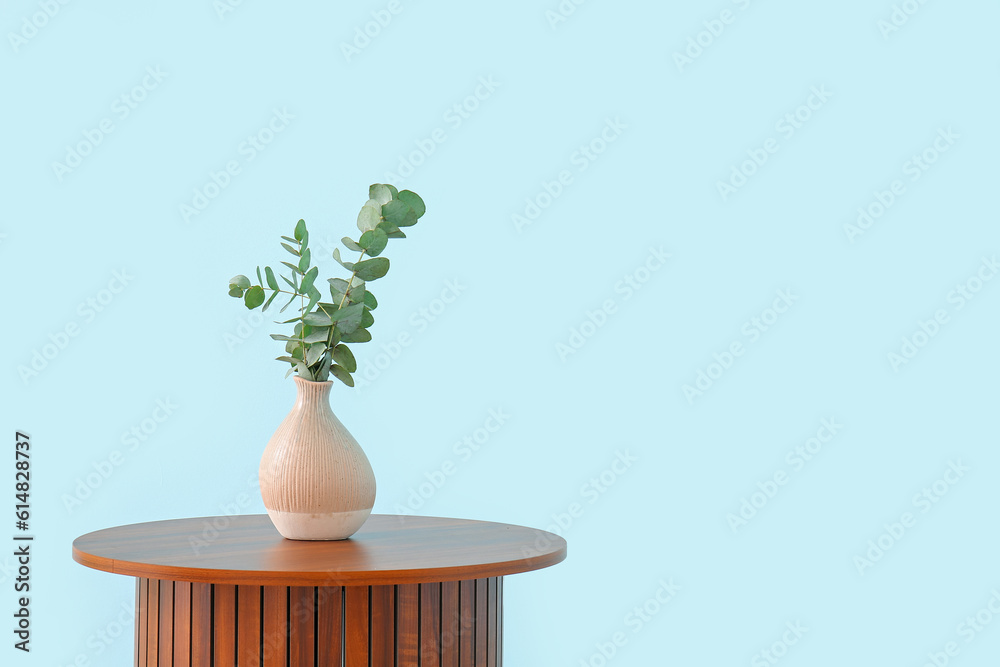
column 165, row 637
column 407, row 625
column 383, row 632
column 182, row 624
column 224, row 623
column 275, row 626
column 141, row 621
column 467, row 635
column 388, row 549
column 248, row 631
column 201, row 625
column 329, row 625
column 301, row 624
column 356, row 626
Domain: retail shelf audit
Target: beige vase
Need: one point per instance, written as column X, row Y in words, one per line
column 315, row 479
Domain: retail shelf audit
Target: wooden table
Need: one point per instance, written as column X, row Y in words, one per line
column 404, row 591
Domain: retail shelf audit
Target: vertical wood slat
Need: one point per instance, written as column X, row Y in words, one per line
column 301, row 625
column 248, row 632
column 451, row 618
column 382, row 639
column 141, row 620
column 492, row 623
column 407, row 625
column 182, row 624
column 482, row 647
column 201, row 625
column 467, row 631
column 153, row 624
column 165, row 635
column 430, row 624
column 225, row 623
column 329, row 623
column 275, row 626
column 356, row 626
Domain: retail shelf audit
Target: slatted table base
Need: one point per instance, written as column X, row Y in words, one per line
column 449, row 624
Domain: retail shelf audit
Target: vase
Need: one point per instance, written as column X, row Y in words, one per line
column 316, row 481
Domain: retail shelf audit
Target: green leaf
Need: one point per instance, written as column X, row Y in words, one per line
column 347, row 312
column 314, row 353
column 304, row 260
column 393, row 190
column 318, row 335
column 300, row 230
column 341, row 374
column 254, row 297
column 343, row 356
column 269, row 274
column 372, row 269
column 357, row 336
column 240, row 281
column 314, row 297
column 413, row 200
column 290, row 249
column 286, row 306
column 317, row 319
column 260, row 281
column 371, row 303
column 267, row 303
column 380, row 193
column 350, row 244
column 367, row 319
column 396, row 234
column 309, row 279
column 283, row 337
column 294, row 268
column 347, row 265
column 374, row 241
column 236, row 291
column 290, row 283
column 399, row 213
column 339, row 284
column 370, row 215
column 290, row 239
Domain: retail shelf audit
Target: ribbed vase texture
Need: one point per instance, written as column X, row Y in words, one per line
column 316, row 481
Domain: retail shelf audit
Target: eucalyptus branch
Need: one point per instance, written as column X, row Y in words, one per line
column 322, row 330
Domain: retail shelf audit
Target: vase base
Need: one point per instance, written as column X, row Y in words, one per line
column 318, row 526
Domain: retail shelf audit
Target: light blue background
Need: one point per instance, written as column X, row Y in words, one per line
column 172, row 334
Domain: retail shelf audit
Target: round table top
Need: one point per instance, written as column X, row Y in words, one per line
column 388, row 549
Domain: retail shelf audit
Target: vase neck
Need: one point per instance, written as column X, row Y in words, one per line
column 312, row 394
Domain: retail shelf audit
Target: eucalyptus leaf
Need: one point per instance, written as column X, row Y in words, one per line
column 380, row 193
column 315, row 352
column 367, row 319
column 393, row 190
column 371, row 303
column 290, row 249
column 267, row 304
column 254, row 297
column 309, row 279
column 300, row 229
column 350, row 244
column 343, row 356
column 347, row 265
column 260, row 281
column 372, row 269
column 240, row 281
column 304, row 260
column 374, row 241
column 413, row 200
column 290, row 239
column 287, row 305
column 370, row 215
column 399, row 213
column 236, row 291
column 318, row 335
column 269, row 274
column 295, row 269
column 357, row 336
column 339, row 284
column 341, row 374
column 348, row 312
column 317, row 319
column 283, row 337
